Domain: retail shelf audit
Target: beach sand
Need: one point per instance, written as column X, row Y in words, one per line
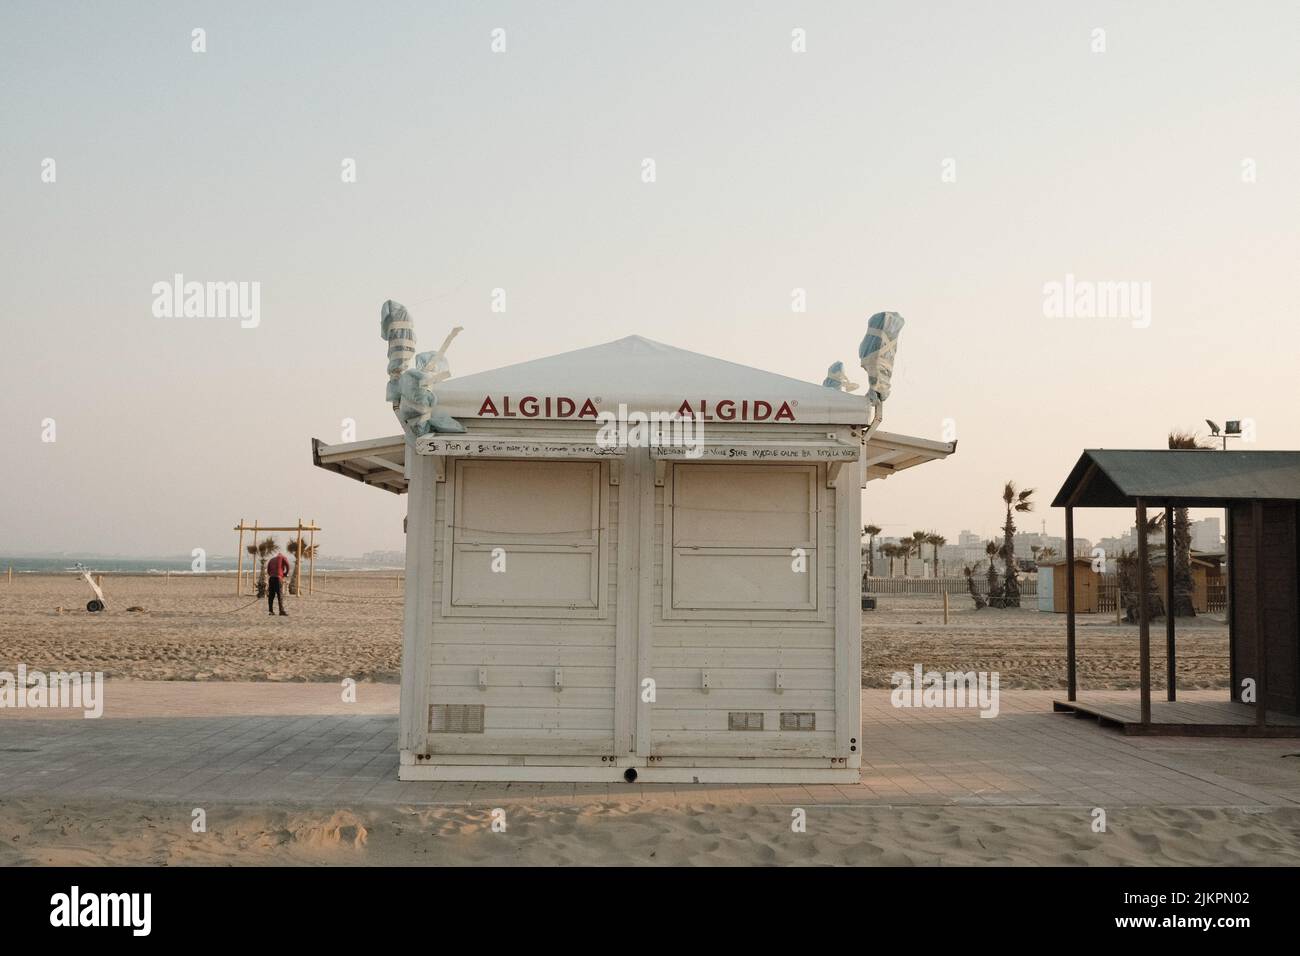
column 639, row 834
column 1027, row 647
column 194, row 628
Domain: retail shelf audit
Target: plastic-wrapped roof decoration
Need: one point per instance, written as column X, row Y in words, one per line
column 837, row 379
column 411, row 382
column 877, row 353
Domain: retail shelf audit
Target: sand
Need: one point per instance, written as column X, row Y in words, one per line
column 124, row 834
column 1027, row 647
column 194, row 628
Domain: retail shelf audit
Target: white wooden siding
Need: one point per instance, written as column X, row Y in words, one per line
column 604, row 658
column 743, row 651
column 562, row 508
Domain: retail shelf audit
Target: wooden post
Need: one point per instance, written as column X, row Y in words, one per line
column 1261, row 662
column 1171, row 674
column 1071, row 676
column 297, row 564
column 945, row 607
column 239, row 562
column 11, row 574
column 1229, row 599
column 311, row 547
column 256, row 561
column 1144, row 621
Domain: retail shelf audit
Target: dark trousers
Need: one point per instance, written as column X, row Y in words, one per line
column 275, row 589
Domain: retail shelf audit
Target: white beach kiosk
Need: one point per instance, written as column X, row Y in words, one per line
column 672, row 606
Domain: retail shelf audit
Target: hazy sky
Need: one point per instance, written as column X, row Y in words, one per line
column 522, row 170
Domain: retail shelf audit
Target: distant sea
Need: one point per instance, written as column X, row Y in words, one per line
column 108, row 564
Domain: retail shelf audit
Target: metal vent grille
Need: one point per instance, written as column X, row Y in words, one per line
column 456, row 719
column 745, row 720
column 798, row 720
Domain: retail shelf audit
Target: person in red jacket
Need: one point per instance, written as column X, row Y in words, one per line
column 276, row 571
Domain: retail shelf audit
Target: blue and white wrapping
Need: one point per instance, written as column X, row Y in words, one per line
column 877, row 353
column 396, row 327
column 411, row 377
column 417, row 408
column 837, row 379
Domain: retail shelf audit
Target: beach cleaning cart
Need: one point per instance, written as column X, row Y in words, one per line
column 98, row 602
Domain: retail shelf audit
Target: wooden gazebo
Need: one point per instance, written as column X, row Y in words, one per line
column 1259, row 491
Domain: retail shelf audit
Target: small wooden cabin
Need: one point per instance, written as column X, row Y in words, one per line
column 672, row 609
column 1201, row 576
column 1053, row 589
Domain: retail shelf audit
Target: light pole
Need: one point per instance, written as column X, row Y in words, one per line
column 1231, row 429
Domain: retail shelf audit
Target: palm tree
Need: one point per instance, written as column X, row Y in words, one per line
column 995, row 589
column 1046, row 554
column 301, row 551
column 890, row 551
column 906, row 548
column 871, row 530
column 969, row 571
column 936, row 541
column 919, row 541
column 1181, row 599
column 263, row 550
column 1127, row 571
column 1015, row 501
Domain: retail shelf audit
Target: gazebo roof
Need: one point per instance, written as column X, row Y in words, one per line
column 1191, row 478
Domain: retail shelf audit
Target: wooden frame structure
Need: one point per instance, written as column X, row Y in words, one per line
column 1264, row 636
column 310, row 528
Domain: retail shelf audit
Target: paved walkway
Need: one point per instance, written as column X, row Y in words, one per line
column 300, row 744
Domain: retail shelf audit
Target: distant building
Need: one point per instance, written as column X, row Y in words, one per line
column 1116, row 545
column 1207, row 535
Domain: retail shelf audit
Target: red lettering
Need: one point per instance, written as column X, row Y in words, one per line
column 528, row 406
column 726, row 410
column 487, row 408
column 762, row 410
column 784, row 412
column 588, row 410
column 564, row 407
